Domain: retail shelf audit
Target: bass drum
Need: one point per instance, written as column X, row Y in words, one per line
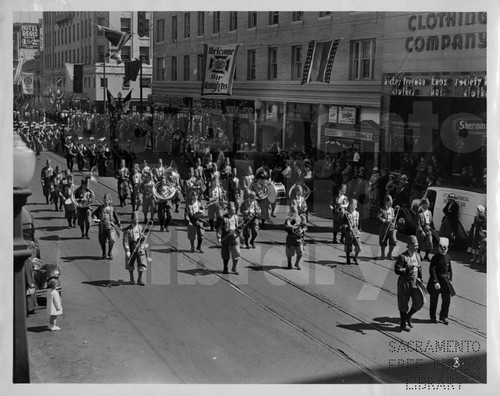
column 277, row 192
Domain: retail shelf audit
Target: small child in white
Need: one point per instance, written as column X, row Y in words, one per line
column 54, row 304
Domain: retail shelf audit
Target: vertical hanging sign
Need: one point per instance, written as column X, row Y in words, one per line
column 219, row 69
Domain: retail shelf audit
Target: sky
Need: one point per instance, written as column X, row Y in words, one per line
column 25, row 16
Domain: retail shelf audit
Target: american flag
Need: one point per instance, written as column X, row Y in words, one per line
column 319, row 61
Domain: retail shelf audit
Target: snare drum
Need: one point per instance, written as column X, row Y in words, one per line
column 69, row 205
column 277, row 192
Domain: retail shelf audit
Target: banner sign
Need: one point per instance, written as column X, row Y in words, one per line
column 219, row 69
column 30, row 36
column 28, row 82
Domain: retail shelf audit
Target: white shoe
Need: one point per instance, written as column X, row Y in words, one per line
column 55, row 328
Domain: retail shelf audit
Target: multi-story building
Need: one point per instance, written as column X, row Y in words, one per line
column 397, row 78
column 269, row 104
column 74, row 38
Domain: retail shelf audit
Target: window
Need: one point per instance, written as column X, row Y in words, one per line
column 273, row 63
column 174, row 28
column 126, row 54
column 160, row 30
column 186, row 68
column 174, row 68
column 77, row 31
column 201, row 23
column 233, row 21
column 69, row 34
column 146, row 82
column 104, row 82
column 296, row 62
column 125, row 24
column 323, row 14
column 216, row 22
column 160, row 69
column 200, row 66
column 297, row 16
column 362, row 59
column 252, row 19
column 274, row 17
column 187, row 25
column 251, row 58
column 144, row 54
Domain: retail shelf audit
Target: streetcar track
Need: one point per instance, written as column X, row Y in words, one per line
column 328, row 303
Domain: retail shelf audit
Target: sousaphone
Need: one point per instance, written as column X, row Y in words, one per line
column 86, row 200
column 306, row 191
column 164, row 192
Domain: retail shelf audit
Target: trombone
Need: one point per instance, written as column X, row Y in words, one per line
column 141, row 242
column 392, row 225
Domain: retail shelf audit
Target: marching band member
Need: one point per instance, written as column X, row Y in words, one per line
column 216, row 200
column 80, row 154
column 92, row 153
column 133, row 243
column 410, row 285
column 250, row 209
column 425, row 227
column 148, row 198
column 84, row 197
column 194, row 212
column 70, row 151
column 106, row 216
column 158, row 172
column 263, row 174
column 45, row 178
column 103, row 156
column 55, row 188
column 230, row 239
column 233, row 188
column 338, row 205
column 123, row 178
column 135, row 182
column 295, row 227
column 145, row 167
column 352, row 232
column 247, row 181
column 67, row 188
column 174, row 178
column 387, row 231
column 299, row 201
column 164, row 207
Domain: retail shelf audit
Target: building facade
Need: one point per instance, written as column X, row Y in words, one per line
column 73, row 38
column 269, row 106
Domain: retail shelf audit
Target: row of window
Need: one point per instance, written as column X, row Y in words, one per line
column 362, row 63
column 85, row 56
column 216, row 22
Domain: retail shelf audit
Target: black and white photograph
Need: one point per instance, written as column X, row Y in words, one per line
column 221, row 198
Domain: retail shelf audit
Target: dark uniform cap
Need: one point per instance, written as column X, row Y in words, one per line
column 413, row 240
column 424, row 201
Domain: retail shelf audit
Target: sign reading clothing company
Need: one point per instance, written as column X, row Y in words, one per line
column 30, row 36
column 219, row 69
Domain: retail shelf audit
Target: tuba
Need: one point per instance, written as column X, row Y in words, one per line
column 164, row 193
column 261, row 188
column 82, row 201
column 295, row 223
column 306, row 191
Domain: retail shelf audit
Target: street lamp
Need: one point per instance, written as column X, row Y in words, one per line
column 24, row 169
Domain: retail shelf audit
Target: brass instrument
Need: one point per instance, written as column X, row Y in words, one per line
column 260, row 187
column 85, row 202
column 221, row 200
column 142, row 243
column 306, row 191
column 164, row 193
column 295, row 222
column 392, row 224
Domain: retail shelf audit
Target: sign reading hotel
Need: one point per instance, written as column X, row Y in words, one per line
column 219, row 69
column 30, row 36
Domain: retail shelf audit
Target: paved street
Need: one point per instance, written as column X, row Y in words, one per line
column 191, row 324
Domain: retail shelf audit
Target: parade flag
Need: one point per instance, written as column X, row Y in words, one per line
column 220, row 61
column 132, row 70
column 117, row 38
column 126, row 102
column 19, row 67
column 78, row 78
column 319, row 61
column 69, row 75
column 27, row 80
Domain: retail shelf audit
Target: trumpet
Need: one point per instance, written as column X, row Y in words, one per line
column 142, row 242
